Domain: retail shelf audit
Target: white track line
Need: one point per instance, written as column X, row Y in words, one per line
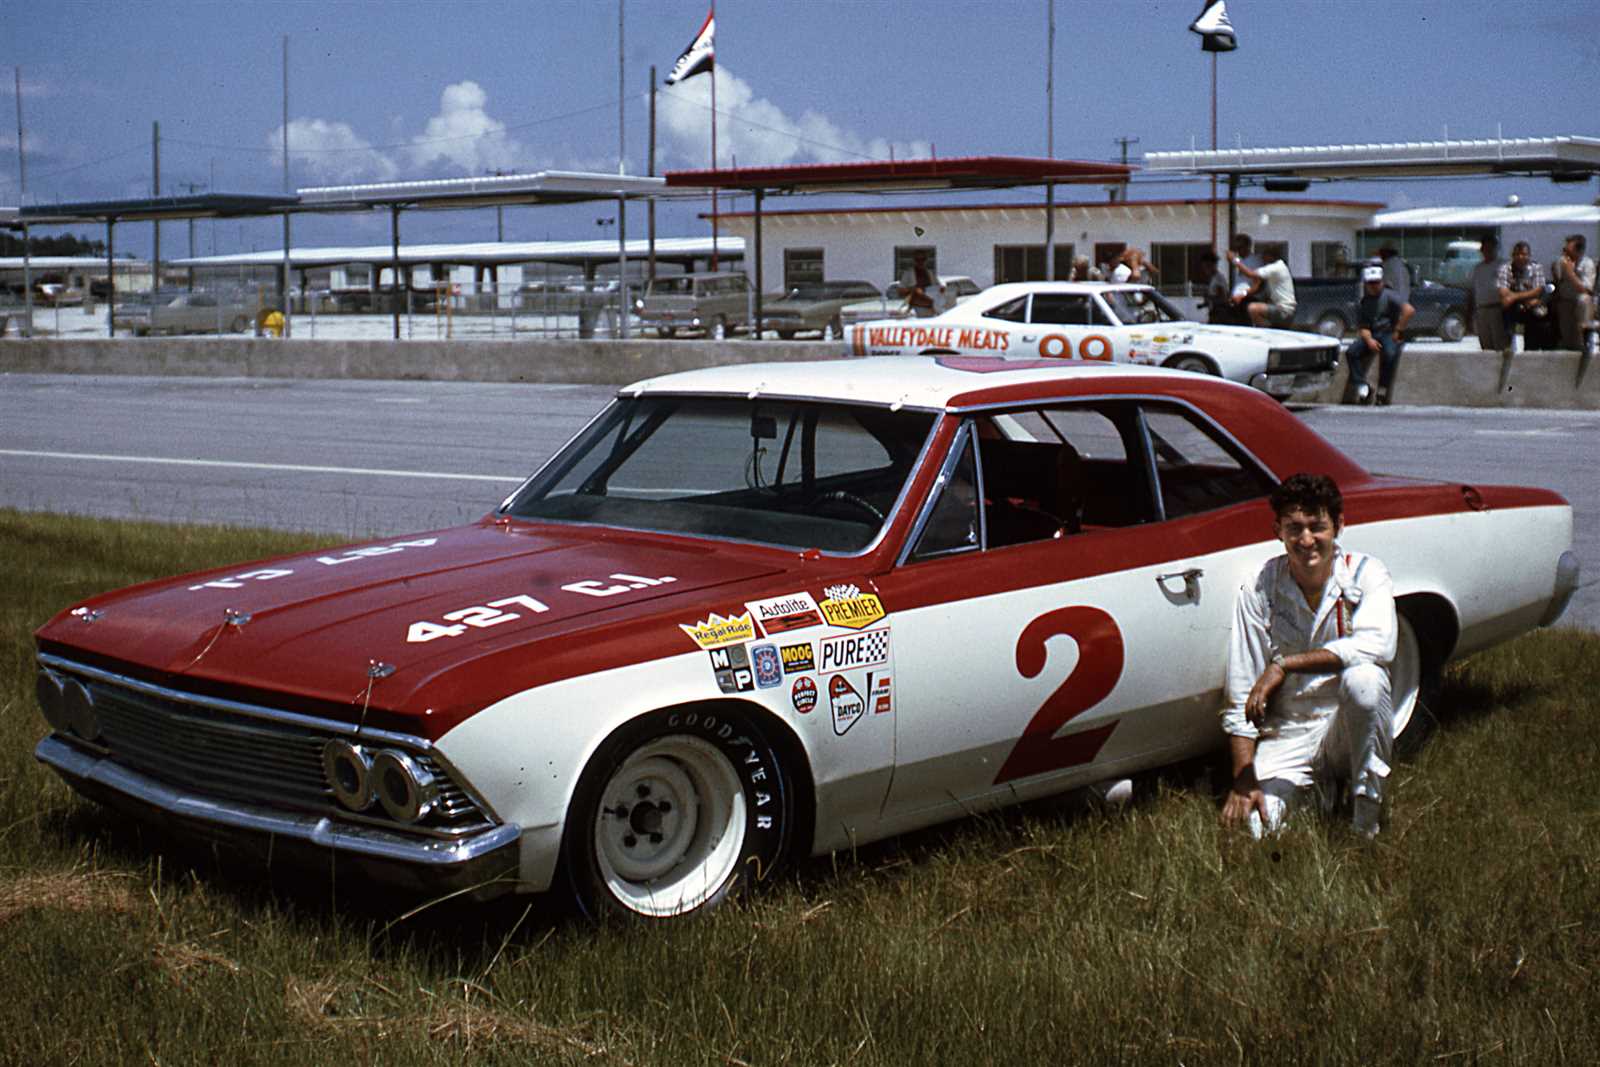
column 297, row 468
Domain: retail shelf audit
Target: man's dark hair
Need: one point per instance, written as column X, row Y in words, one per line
column 1241, row 244
column 1489, row 244
column 1579, row 240
column 1309, row 493
column 1521, row 246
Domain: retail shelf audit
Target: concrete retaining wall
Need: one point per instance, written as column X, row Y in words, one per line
column 1447, row 375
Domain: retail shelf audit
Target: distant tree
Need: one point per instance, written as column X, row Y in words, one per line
column 60, row 245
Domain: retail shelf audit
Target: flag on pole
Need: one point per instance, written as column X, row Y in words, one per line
column 1216, row 32
column 699, row 56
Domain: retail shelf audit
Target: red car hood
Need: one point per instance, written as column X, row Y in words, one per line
column 306, row 631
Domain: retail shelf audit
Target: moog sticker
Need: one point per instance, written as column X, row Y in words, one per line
column 797, row 658
column 848, row 606
column 780, row 614
column 717, row 631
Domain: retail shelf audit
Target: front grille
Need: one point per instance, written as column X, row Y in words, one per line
column 1313, row 357
column 255, row 758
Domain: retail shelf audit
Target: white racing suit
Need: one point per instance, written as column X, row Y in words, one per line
column 1320, row 728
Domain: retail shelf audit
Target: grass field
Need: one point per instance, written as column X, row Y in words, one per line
column 1470, row 933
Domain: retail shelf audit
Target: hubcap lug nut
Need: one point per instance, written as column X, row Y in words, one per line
column 629, row 841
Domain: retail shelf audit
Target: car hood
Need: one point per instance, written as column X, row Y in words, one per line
column 312, row 631
column 1202, row 332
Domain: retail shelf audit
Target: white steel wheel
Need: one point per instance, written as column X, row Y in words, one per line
column 719, row 329
column 1408, row 685
column 1194, row 363
column 670, row 827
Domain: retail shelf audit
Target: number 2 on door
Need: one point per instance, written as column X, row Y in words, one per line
column 1100, row 659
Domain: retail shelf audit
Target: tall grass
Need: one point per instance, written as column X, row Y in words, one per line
column 1469, row 933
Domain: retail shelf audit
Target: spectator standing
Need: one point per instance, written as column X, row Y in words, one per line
column 1396, row 274
column 1483, row 299
column 1216, row 295
column 1273, row 282
column 1521, row 284
column 1084, row 271
column 1243, row 247
column 915, row 284
column 1132, row 266
column 1381, row 318
column 1573, row 275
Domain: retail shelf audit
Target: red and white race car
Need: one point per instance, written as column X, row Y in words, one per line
column 755, row 613
column 1108, row 323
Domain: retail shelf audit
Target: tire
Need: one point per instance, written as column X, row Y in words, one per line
column 239, row 324
column 675, row 813
column 1453, row 325
column 786, row 335
column 1332, row 324
column 833, row 330
column 666, row 333
column 1194, row 363
column 1414, row 681
column 718, row 330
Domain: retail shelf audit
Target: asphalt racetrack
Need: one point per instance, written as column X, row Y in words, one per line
column 368, row 459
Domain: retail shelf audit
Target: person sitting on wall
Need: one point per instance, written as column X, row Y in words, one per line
column 1522, row 295
column 1381, row 318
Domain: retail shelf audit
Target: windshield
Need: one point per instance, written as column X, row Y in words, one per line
column 785, row 473
column 1134, row 307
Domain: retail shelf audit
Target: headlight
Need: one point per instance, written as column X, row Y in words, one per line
column 52, row 699
column 406, row 791
column 349, row 773
column 78, row 710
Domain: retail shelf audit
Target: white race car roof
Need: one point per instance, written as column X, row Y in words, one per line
column 908, row 381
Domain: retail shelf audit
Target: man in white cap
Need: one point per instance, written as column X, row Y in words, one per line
column 1381, row 319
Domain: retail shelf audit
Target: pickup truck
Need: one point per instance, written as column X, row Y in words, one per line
column 1328, row 306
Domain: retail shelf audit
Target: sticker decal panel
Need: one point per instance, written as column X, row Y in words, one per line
column 732, row 669
column 849, row 607
column 717, row 631
column 803, row 695
column 797, row 658
column 846, row 703
column 767, row 666
column 868, row 648
column 780, row 614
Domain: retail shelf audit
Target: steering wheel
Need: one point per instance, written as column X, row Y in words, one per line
column 842, row 496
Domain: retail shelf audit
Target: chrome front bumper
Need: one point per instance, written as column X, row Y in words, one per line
column 482, row 865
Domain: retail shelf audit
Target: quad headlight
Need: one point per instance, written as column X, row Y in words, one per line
column 405, row 789
column 67, row 704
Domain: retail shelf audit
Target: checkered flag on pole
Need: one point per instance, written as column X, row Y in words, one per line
column 1216, row 32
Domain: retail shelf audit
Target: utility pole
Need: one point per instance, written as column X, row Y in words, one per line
column 288, row 312
column 1120, row 192
column 155, row 191
column 650, row 208
column 22, row 200
column 191, row 188
column 1050, row 148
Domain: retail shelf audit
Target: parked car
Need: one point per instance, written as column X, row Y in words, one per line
column 58, row 294
column 186, row 313
column 714, row 304
column 1329, row 306
column 1108, row 322
column 755, row 613
column 953, row 289
column 814, row 307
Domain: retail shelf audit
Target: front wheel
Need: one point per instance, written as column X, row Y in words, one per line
column 833, row 329
column 1453, row 326
column 676, row 812
column 1412, row 682
column 1332, row 324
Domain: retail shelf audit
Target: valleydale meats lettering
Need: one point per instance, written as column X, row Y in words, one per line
column 971, row 337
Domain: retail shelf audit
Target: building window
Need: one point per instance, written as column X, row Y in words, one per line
column 801, row 266
column 1330, row 259
column 1025, row 263
column 1178, row 267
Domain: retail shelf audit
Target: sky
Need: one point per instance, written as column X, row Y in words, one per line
column 401, row 90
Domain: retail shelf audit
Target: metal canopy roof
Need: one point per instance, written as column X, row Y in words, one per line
column 545, row 187
column 1577, row 157
column 151, row 209
column 484, row 252
column 961, row 172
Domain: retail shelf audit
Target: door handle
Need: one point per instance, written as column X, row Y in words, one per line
column 1191, row 584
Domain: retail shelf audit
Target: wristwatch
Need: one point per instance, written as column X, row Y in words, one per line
column 1277, row 661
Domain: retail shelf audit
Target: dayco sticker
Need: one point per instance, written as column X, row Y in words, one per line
column 848, row 606
column 846, row 703
column 781, row 614
column 867, row 649
column 797, row 658
column 717, row 631
column 732, row 668
column 804, row 694
column 768, row 668
column 879, row 692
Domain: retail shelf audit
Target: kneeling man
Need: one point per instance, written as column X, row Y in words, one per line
column 1308, row 703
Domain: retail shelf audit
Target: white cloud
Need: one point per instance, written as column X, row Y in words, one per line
column 758, row 132
column 333, row 151
column 464, row 135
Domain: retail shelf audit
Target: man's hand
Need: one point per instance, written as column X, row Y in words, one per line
column 1255, row 705
column 1243, row 798
column 1373, row 345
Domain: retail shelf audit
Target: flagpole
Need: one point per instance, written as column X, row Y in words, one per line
column 714, row 224
column 1214, row 148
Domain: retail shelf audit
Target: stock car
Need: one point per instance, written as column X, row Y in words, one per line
column 755, row 613
column 1104, row 322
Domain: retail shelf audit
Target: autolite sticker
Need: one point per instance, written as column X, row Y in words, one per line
column 781, row 614
column 804, row 694
column 848, row 606
column 717, row 631
column 866, row 649
column 846, row 703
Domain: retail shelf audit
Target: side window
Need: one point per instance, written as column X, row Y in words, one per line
column 953, row 523
column 1011, row 311
column 1063, row 309
column 1197, row 468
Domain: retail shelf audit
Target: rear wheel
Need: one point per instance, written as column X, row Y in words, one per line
column 675, row 813
column 785, row 335
column 1453, row 326
column 666, row 333
column 238, row 324
column 1332, row 324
